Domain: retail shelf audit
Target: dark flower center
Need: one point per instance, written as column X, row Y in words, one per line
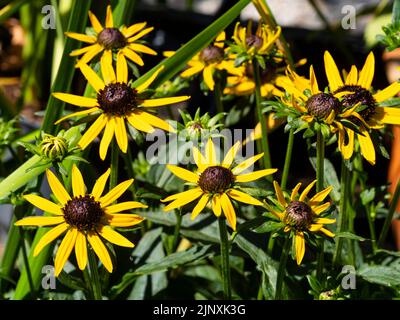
column 117, row 99
column 111, row 38
column 359, row 95
column 321, row 105
column 254, row 41
column 298, row 215
column 212, row 54
column 216, row 179
column 83, row 212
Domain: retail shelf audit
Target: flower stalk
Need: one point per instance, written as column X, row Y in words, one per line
column 94, row 274
column 288, row 159
column 282, row 268
column 320, row 187
column 225, row 268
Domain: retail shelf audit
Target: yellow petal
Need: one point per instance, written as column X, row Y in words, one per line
column 128, row 205
column 120, row 134
column 123, row 219
column 325, row 221
column 320, row 196
column 228, row 210
column 216, row 205
column 307, row 190
column 367, row 72
column 184, row 198
column 149, row 81
column 95, row 22
column 49, row 237
column 199, row 159
column 246, row 164
column 208, row 76
column 101, row 251
column 132, row 55
column 315, row 227
column 107, row 137
column 138, row 123
column 279, row 194
column 78, row 185
column 387, row 115
column 57, row 188
column 109, row 18
column 388, row 92
column 300, row 247
column 39, row 221
column 351, row 78
column 76, row 114
column 75, row 100
column 332, row 72
column 247, row 177
column 81, row 37
column 98, row 187
column 91, row 76
column 64, row 250
column 43, row 204
column 114, row 237
column 295, row 191
column 140, row 34
column 115, row 193
column 107, row 69
column 327, row 232
column 163, row 101
column 210, row 154
column 93, row 131
column 314, row 83
column 200, row 206
column 183, row 173
column 141, row 48
column 230, row 155
column 83, row 50
column 134, row 29
column 321, row 208
column 122, row 68
column 366, row 146
column 192, row 71
column 81, row 251
column 90, row 54
column 151, row 120
column 243, row 197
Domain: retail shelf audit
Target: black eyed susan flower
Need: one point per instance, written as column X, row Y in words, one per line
column 216, row 183
column 85, row 217
column 356, row 90
column 116, row 103
column 301, row 215
column 207, row 61
column 109, row 39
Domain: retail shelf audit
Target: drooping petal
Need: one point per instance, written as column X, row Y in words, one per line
column 228, row 210
column 300, row 247
column 243, row 197
column 327, row 232
column 208, row 76
column 57, row 188
column 107, row 69
column 114, row 237
column 49, row 237
column 366, row 146
column 43, row 204
column 78, row 185
column 122, row 68
column 77, row 114
column 101, row 251
column 183, row 173
column 200, row 206
column 93, row 131
column 247, row 177
column 132, row 55
column 120, row 134
column 216, row 205
column 81, row 251
column 115, row 193
column 153, row 121
column 99, row 185
column 107, row 137
column 65, row 250
column 182, row 200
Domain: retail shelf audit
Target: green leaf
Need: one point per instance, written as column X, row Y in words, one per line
column 349, row 235
column 386, row 276
column 177, row 62
column 269, row 226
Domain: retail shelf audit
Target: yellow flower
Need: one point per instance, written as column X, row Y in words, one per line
column 356, row 90
column 107, row 39
column 216, row 183
column 302, row 215
column 116, row 103
column 84, row 217
column 259, row 43
column 208, row 60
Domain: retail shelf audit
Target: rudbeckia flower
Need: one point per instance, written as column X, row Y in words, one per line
column 109, row 39
column 207, row 61
column 216, row 183
column 356, row 90
column 259, row 43
column 116, row 102
column 84, row 217
column 301, row 215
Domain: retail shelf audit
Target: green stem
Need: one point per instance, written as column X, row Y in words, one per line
column 261, row 119
column 288, row 159
column 218, row 96
column 225, row 268
column 282, row 268
column 88, row 283
column 371, row 226
column 26, row 263
column 320, row 187
column 128, row 164
column 388, row 221
column 94, row 274
column 114, row 164
column 342, row 219
column 177, row 230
